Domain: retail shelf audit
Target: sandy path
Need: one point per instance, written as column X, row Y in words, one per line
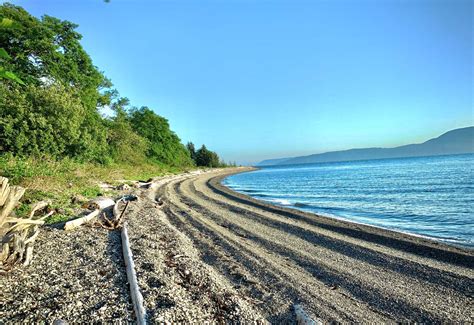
column 284, row 259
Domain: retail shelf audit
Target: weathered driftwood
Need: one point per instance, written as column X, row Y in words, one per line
column 137, row 297
column 99, row 203
column 116, row 210
column 79, row 221
column 118, row 215
column 302, row 318
column 17, row 234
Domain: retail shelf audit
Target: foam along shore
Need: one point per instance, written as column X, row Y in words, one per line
column 209, row 254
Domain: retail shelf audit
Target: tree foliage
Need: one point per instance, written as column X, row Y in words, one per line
column 56, row 112
column 125, row 144
column 204, row 157
column 165, row 146
column 47, row 120
column 6, row 23
column 48, row 50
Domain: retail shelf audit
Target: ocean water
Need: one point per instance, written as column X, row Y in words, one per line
column 427, row 196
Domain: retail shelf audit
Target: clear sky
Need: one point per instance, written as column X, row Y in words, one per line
column 256, row 79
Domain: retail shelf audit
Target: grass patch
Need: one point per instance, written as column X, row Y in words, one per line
column 59, row 180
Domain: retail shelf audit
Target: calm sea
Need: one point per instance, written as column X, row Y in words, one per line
column 428, row 196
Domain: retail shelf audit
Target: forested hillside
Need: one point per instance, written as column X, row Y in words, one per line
column 52, row 107
column 54, row 138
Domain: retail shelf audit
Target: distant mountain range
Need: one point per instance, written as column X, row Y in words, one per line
column 456, row 141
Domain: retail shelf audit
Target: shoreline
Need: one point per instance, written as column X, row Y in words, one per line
column 431, row 241
column 210, row 254
column 332, row 255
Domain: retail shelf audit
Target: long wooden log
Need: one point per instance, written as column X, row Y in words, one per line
column 79, row 221
column 137, row 297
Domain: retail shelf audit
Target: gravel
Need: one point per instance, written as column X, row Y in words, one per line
column 205, row 254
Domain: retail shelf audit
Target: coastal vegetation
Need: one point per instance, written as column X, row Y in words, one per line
column 54, row 136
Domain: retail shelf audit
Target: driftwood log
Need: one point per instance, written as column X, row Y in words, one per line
column 18, row 234
column 79, row 221
column 137, row 297
column 118, row 212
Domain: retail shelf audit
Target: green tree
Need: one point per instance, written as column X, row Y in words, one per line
column 125, row 145
column 6, row 23
column 57, row 112
column 207, row 158
column 47, row 120
column 192, row 150
column 63, row 84
column 164, row 145
column 48, row 50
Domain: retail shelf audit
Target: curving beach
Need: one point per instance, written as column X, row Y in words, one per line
column 209, row 254
column 337, row 270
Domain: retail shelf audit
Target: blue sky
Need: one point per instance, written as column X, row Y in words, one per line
column 265, row 79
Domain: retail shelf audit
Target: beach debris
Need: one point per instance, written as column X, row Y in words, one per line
column 137, row 298
column 118, row 213
column 302, row 318
column 59, row 322
column 130, row 197
column 123, row 187
column 79, row 221
column 18, row 234
column 106, row 187
column 160, row 202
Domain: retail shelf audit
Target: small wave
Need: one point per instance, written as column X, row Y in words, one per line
column 280, row 201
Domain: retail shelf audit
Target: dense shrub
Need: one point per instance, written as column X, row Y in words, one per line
column 36, row 120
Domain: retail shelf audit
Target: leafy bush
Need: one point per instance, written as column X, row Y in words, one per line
column 39, row 120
